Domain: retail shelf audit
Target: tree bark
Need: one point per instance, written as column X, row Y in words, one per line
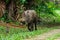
column 11, row 10
column 2, row 7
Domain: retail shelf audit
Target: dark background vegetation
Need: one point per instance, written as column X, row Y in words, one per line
column 47, row 10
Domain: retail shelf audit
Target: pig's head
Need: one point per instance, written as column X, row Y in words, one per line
column 22, row 21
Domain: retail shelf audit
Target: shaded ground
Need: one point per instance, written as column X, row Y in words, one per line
column 10, row 25
column 46, row 35
column 57, row 38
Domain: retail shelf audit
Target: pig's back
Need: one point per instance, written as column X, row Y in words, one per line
column 30, row 13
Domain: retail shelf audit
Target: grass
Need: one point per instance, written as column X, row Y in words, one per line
column 54, row 37
column 21, row 33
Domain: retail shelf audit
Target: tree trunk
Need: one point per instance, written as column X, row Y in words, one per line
column 11, row 10
column 2, row 7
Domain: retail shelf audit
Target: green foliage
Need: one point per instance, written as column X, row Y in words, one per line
column 54, row 37
column 45, row 7
column 48, row 12
column 20, row 33
column 21, row 2
column 16, row 1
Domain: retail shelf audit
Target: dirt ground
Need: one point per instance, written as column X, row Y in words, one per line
column 46, row 35
column 10, row 25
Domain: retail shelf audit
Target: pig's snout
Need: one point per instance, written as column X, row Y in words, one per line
column 22, row 21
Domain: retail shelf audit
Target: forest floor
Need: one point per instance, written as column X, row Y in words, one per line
column 10, row 25
column 44, row 36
